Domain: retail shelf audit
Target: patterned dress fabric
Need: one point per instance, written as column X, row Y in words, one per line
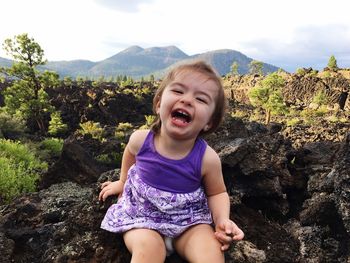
column 144, row 206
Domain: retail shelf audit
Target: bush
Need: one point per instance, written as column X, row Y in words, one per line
column 19, row 170
column 301, row 71
column 92, row 128
column 333, row 119
column 149, row 121
column 124, row 126
column 120, row 135
column 114, row 158
column 320, row 98
column 53, row 146
column 293, row 122
column 241, row 114
column 321, row 111
column 11, row 127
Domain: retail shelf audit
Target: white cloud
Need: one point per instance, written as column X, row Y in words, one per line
column 123, row 5
column 287, row 33
column 308, row 46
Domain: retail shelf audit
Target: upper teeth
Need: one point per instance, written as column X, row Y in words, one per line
column 184, row 113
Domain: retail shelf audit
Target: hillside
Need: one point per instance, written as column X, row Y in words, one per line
column 137, row 62
column 4, row 62
column 71, row 68
column 222, row 60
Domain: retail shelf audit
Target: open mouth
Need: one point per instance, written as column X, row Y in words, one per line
column 181, row 115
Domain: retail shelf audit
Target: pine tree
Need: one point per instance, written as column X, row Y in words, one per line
column 27, row 96
column 256, row 67
column 56, row 125
column 332, row 63
column 234, row 68
column 268, row 95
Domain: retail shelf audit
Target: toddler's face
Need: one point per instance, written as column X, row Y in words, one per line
column 187, row 105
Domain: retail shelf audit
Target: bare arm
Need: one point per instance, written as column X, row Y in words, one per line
column 218, row 200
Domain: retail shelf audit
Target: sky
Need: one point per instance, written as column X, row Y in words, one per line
column 289, row 34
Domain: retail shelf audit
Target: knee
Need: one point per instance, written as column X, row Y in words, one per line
column 199, row 244
column 146, row 245
column 210, row 252
column 150, row 244
column 149, row 249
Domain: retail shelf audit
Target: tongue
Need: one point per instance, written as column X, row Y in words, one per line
column 178, row 121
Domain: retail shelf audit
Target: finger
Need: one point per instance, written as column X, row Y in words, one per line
column 229, row 228
column 225, row 247
column 108, row 193
column 105, row 195
column 100, row 194
column 223, row 238
column 105, row 184
column 225, row 242
column 239, row 235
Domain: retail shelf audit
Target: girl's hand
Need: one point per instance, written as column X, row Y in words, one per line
column 226, row 231
column 111, row 188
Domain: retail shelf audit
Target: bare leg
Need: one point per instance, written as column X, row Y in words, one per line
column 145, row 245
column 198, row 244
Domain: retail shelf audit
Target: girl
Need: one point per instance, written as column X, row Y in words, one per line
column 171, row 180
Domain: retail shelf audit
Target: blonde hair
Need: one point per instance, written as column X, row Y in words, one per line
column 210, row 73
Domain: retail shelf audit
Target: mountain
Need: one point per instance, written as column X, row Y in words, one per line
column 136, row 62
column 72, row 68
column 4, row 62
column 222, row 60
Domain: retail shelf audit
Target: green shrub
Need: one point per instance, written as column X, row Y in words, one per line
column 327, row 74
column 301, row 71
column 119, row 135
column 11, row 126
column 320, row 98
column 333, row 119
column 19, row 169
column 53, row 146
column 241, row 114
column 92, row 128
column 56, row 125
column 124, row 126
column 307, row 113
column 113, row 158
column 293, row 122
column 313, row 73
column 321, row 111
column 149, row 121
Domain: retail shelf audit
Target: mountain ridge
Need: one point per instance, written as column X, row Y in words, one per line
column 138, row 62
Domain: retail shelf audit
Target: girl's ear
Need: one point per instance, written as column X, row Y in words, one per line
column 158, row 106
column 207, row 127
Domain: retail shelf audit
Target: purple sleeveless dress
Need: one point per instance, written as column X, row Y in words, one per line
column 161, row 194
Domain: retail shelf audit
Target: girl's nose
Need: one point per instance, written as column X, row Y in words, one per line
column 187, row 99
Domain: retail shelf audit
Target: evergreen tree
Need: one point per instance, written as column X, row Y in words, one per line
column 332, row 63
column 234, row 68
column 56, row 125
column 256, row 67
column 268, row 95
column 151, row 78
column 27, row 96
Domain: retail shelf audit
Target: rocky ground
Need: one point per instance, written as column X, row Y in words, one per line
column 289, row 190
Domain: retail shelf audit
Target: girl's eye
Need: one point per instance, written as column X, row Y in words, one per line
column 177, row 91
column 201, row 100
